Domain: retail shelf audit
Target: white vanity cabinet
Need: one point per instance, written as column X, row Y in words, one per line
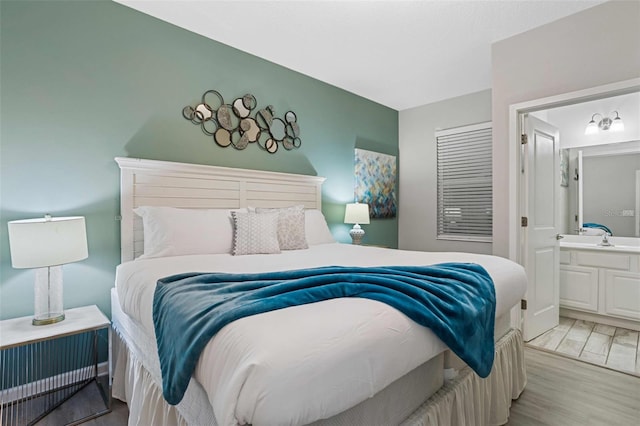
column 600, row 282
column 622, row 294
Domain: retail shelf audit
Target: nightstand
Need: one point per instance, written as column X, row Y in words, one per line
column 43, row 366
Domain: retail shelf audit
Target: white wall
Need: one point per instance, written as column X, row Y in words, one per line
column 417, row 217
column 598, row 46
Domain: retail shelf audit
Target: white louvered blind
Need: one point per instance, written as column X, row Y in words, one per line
column 464, row 183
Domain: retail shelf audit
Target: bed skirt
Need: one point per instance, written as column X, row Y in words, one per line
column 465, row 400
column 471, row 401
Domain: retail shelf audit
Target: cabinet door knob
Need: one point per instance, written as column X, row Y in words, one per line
column 559, row 237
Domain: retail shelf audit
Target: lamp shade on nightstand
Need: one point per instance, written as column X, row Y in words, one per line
column 36, row 243
column 356, row 214
column 45, row 244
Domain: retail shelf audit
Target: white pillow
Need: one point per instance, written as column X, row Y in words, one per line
column 291, row 227
column 316, row 228
column 170, row 231
column 255, row 233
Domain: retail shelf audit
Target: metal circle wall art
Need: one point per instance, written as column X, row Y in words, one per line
column 232, row 124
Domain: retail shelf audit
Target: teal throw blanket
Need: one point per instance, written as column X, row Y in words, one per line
column 455, row 300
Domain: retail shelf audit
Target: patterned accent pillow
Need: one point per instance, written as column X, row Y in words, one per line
column 291, row 227
column 255, row 233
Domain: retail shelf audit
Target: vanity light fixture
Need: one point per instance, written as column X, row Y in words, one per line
column 605, row 123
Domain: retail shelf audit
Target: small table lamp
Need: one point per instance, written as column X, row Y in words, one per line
column 47, row 244
column 356, row 213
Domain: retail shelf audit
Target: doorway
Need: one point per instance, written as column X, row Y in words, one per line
column 517, row 112
column 600, row 344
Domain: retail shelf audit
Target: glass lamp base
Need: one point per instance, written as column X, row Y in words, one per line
column 48, row 296
column 48, row 320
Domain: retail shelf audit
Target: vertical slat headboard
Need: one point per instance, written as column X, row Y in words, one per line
column 164, row 183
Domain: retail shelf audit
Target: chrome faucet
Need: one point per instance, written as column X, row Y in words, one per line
column 605, row 240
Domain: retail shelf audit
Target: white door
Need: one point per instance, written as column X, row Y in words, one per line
column 541, row 183
column 637, row 203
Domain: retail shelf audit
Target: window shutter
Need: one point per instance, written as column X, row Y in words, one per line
column 465, row 209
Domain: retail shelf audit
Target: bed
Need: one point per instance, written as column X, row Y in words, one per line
column 367, row 365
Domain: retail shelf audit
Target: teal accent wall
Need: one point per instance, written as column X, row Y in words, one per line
column 84, row 82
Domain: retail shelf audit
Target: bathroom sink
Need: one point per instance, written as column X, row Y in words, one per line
column 594, row 242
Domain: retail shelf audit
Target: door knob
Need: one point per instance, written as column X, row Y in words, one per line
column 559, row 237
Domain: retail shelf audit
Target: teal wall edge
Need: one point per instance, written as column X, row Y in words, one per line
column 84, row 82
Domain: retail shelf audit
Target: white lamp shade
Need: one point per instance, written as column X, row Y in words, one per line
column 617, row 125
column 36, row 243
column 592, row 128
column 357, row 213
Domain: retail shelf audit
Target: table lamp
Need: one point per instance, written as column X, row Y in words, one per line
column 356, row 214
column 46, row 244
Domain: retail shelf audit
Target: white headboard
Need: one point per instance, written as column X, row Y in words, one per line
column 164, row 183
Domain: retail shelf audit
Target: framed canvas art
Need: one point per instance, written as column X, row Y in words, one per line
column 376, row 182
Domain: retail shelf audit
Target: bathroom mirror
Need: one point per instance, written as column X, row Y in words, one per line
column 604, row 188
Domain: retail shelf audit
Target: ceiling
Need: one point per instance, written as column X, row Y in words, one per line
column 400, row 54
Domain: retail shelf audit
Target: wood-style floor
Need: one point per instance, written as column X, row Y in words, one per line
column 565, row 392
column 84, row 403
column 613, row 347
column 559, row 392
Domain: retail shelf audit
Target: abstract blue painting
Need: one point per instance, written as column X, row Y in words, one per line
column 376, row 182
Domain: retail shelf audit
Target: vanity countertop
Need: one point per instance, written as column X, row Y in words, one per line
column 613, row 248
column 584, row 242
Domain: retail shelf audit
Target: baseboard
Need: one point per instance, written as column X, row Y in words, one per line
column 600, row 319
column 33, row 388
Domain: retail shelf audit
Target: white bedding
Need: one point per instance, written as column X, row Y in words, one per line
column 333, row 354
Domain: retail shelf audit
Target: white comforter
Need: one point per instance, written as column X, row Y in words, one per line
column 304, row 363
